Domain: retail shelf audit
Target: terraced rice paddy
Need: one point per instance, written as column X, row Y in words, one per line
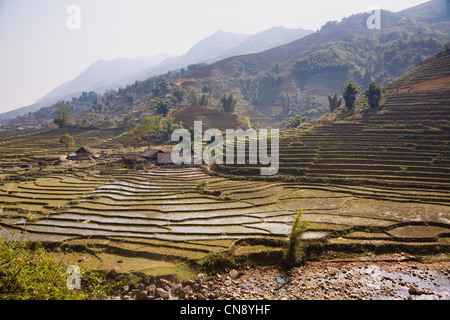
column 162, row 213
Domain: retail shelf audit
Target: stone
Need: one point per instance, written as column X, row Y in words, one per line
column 113, row 271
column 141, row 295
column 200, row 296
column 414, row 291
column 177, row 288
column 165, row 282
column 125, row 288
column 151, row 289
column 135, row 292
column 234, row 274
column 201, row 276
column 161, row 293
column 126, row 298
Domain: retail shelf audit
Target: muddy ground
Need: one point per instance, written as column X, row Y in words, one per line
column 313, row 281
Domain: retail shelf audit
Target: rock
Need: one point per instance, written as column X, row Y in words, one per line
column 212, row 295
column 165, row 282
column 201, row 276
column 125, row 288
column 200, row 296
column 161, row 293
column 227, row 283
column 234, row 274
column 414, row 291
column 141, row 295
column 113, row 271
column 126, row 298
column 177, row 288
column 151, row 289
column 134, row 292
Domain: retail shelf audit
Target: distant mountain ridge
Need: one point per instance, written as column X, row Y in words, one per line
column 296, row 77
column 212, row 49
column 110, row 75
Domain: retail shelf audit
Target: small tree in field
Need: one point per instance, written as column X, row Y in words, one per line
column 67, row 140
column 350, row 93
column 295, row 253
column 374, row 94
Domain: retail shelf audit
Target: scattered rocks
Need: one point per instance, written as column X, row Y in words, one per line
column 316, row 281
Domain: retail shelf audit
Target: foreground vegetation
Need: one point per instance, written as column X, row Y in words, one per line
column 27, row 272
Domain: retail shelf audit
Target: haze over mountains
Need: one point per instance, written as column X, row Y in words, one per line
column 275, row 81
column 110, row 75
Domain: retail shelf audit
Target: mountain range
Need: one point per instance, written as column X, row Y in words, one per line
column 296, row 77
column 110, row 75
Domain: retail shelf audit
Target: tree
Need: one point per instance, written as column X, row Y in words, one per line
column 350, row 93
column 167, row 126
column 62, row 115
column 129, row 122
column 334, row 101
column 180, row 94
column 228, row 102
column 163, row 106
column 67, row 140
column 148, row 128
column 374, row 94
column 295, row 122
column 199, row 99
column 131, row 98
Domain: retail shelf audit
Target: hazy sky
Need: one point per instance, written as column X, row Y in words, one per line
column 38, row 52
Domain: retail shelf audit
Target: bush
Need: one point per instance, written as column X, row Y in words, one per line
column 350, row 93
column 28, row 273
column 217, row 262
column 374, row 94
column 295, row 252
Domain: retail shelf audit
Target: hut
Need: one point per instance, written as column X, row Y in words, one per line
column 151, row 154
column 85, row 152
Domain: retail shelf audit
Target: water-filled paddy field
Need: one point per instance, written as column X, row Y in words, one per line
column 173, row 214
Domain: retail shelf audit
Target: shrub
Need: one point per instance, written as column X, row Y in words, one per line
column 28, row 273
column 374, row 94
column 295, row 252
column 350, row 93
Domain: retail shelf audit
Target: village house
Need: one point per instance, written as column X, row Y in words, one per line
column 85, row 152
column 151, row 154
